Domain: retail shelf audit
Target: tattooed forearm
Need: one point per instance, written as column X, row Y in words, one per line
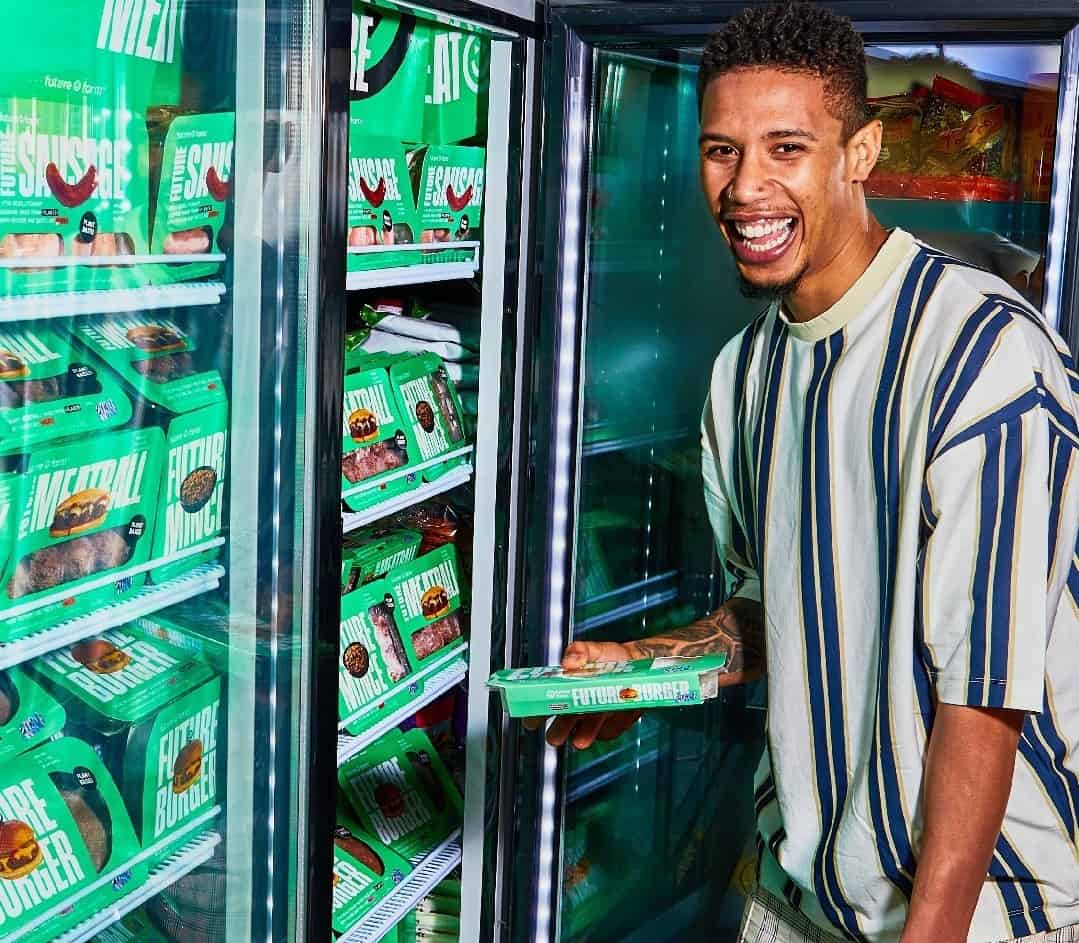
column 736, row 627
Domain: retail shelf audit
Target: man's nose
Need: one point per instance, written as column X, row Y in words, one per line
column 750, row 181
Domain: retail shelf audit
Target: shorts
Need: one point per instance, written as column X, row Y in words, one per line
column 770, row 919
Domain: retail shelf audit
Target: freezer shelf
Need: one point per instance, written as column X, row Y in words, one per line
column 418, row 274
column 429, row 871
column 437, row 679
column 183, row 862
column 449, row 481
column 586, row 785
column 147, row 600
column 117, row 301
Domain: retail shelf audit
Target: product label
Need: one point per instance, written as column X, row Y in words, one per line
column 389, row 803
column 145, row 29
column 186, row 769
column 194, row 485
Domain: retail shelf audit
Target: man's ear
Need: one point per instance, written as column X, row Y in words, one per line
column 863, row 149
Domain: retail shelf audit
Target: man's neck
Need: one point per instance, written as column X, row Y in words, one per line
column 816, row 293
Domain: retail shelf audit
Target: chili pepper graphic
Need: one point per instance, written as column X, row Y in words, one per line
column 71, row 194
column 376, row 196
column 458, row 203
column 219, row 189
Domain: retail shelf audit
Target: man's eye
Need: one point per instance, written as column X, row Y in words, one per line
column 788, row 149
column 721, row 150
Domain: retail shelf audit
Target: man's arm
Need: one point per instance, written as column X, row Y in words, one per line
column 736, row 628
column 968, row 778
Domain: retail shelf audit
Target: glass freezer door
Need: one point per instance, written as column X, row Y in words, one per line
column 160, row 229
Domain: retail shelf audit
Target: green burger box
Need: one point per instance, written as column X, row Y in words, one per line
column 365, row 871
column 29, row 715
column 63, row 826
column 609, row 686
column 152, row 711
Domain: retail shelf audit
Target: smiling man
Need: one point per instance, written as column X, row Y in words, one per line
column 891, row 466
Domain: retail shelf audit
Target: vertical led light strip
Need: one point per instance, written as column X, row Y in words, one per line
column 570, row 322
column 1060, row 201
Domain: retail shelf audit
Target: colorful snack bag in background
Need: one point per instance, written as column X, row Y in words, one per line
column 381, row 208
column 28, row 715
column 429, row 402
column 85, row 508
column 901, row 116
column 449, row 185
column 61, row 814
column 48, row 391
column 364, row 872
column 151, row 711
column 193, row 190
column 1038, row 145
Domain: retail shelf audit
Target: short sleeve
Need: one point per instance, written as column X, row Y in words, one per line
column 983, row 575
column 742, row 579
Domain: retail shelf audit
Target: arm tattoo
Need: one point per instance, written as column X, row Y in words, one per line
column 736, row 628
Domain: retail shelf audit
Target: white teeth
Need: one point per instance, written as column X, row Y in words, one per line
column 769, row 245
column 766, row 227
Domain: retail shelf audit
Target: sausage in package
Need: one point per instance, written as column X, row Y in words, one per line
column 364, row 872
column 48, row 391
column 65, row 838
column 83, row 511
column 400, row 791
column 151, row 711
column 449, row 185
column 381, row 208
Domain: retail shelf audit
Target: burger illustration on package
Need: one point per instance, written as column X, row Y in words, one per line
column 609, row 686
column 381, row 209
column 29, row 716
column 151, row 711
column 193, row 191
column 378, row 448
column 428, row 399
column 400, row 792
column 83, row 512
column 369, row 553
column 47, row 391
column 64, row 833
column 364, row 872
column 449, row 185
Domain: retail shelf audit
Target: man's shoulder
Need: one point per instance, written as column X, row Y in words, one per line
column 735, row 352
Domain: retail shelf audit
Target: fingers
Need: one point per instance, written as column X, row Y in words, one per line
column 577, row 655
column 587, row 728
column 533, row 723
column 614, row 725
column 560, row 730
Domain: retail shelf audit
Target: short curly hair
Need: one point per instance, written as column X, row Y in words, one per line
column 795, row 37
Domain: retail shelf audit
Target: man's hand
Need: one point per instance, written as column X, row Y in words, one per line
column 735, row 629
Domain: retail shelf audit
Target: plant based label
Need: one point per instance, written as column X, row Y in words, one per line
column 605, row 686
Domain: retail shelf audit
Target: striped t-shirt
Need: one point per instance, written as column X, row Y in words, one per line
column 897, row 481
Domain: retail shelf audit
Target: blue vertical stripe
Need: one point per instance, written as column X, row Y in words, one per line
column 1006, row 885
column 766, row 436
column 1001, row 618
column 988, row 508
column 1050, row 749
column 1027, row 885
column 742, row 479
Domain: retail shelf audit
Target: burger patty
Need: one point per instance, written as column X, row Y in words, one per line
column 431, row 638
column 93, row 829
column 166, row 368
column 62, row 563
column 372, row 459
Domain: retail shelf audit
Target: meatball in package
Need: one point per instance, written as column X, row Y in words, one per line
column 29, row 716
column 84, row 511
column 381, row 209
column 371, row 552
column 64, row 831
column 449, row 183
column 378, row 445
column 48, row 391
column 427, row 600
column 430, row 404
column 401, row 792
column 193, row 191
column 151, row 711
column 364, row 872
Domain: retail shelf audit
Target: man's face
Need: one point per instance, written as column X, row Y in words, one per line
column 778, row 176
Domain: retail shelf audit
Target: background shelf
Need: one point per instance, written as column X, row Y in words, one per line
column 458, row 476
column 116, row 301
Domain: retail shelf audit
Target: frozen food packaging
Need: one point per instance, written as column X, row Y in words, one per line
column 400, row 791
column 429, row 403
column 381, row 207
column 428, row 600
column 371, row 552
column 85, row 509
column 63, row 830
column 449, row 184
column 193, row 190
column 50, row 391
column 29, row 715
column 151, row 711
column 609, row 686
column 365, row 871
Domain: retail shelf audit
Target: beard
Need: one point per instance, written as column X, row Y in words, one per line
column 773, row 292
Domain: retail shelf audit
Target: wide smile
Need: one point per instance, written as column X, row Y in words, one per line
column 761, row 240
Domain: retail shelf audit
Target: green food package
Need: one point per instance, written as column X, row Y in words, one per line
column 29, row 716
column 193, row 191
column 609, row 686
column 154, row 354
column 456, row 100
column 85, row 509
column 449, row 185
column 135, row 927
column 365, row 871
column 427, row 601
column 401, row 792
column 429, row 401
column 73, row 195
column 49, row 391
column 151, row 710
column 378, row 446
column 65, row 824
column 381, row 207
column 201, row 628
column 369, row 553
column 9, row 500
